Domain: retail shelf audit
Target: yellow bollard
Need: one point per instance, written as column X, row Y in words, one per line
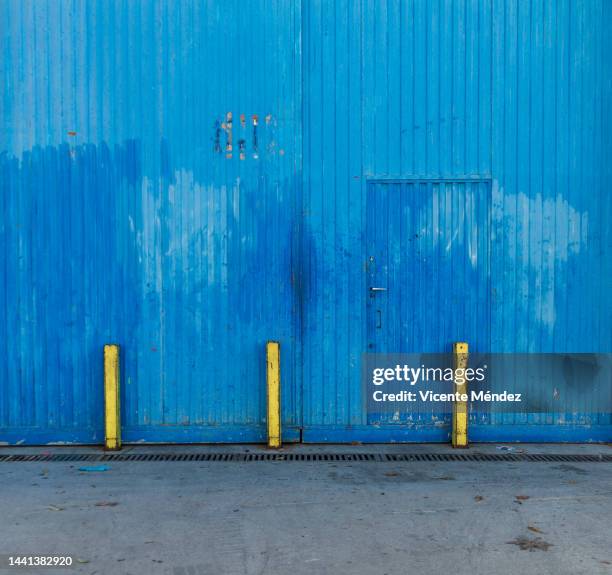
column 460, row 408
column 112, row 414
column 273, row 384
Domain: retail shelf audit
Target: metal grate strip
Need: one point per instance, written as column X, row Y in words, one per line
column 312, row 457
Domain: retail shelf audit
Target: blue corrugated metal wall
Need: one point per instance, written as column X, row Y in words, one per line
column 189, row 179
column 150, row 175
column 515, row 91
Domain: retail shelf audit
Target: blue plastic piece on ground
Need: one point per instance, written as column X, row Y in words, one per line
column 94, row 468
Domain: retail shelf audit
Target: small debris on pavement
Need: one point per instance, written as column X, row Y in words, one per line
column 93, row 468
column 478, row 498
column 534, row 529
column 107, row 503
column 512, row 449
column 527, row 544
column 521, row 498
column 54, row 508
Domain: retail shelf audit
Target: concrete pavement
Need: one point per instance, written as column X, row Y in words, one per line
column 294, row 518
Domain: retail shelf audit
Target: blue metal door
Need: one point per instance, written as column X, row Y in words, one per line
column 428, row 254
column 428, row 277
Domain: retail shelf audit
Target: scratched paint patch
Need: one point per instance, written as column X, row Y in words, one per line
column 251, row 136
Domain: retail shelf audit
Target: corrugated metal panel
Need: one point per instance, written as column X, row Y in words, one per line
column 136, row 210
column 428, row 282
column 514, row 91
column 124, row 218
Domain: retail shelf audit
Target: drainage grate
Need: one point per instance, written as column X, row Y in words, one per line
column 324, row 457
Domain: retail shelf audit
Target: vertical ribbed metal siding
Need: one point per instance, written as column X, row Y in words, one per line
column 517, row 91
column 427, row 246
column 427, row 249
column 124, row 220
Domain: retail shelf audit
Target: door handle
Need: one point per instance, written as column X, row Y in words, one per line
column 378, row 289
